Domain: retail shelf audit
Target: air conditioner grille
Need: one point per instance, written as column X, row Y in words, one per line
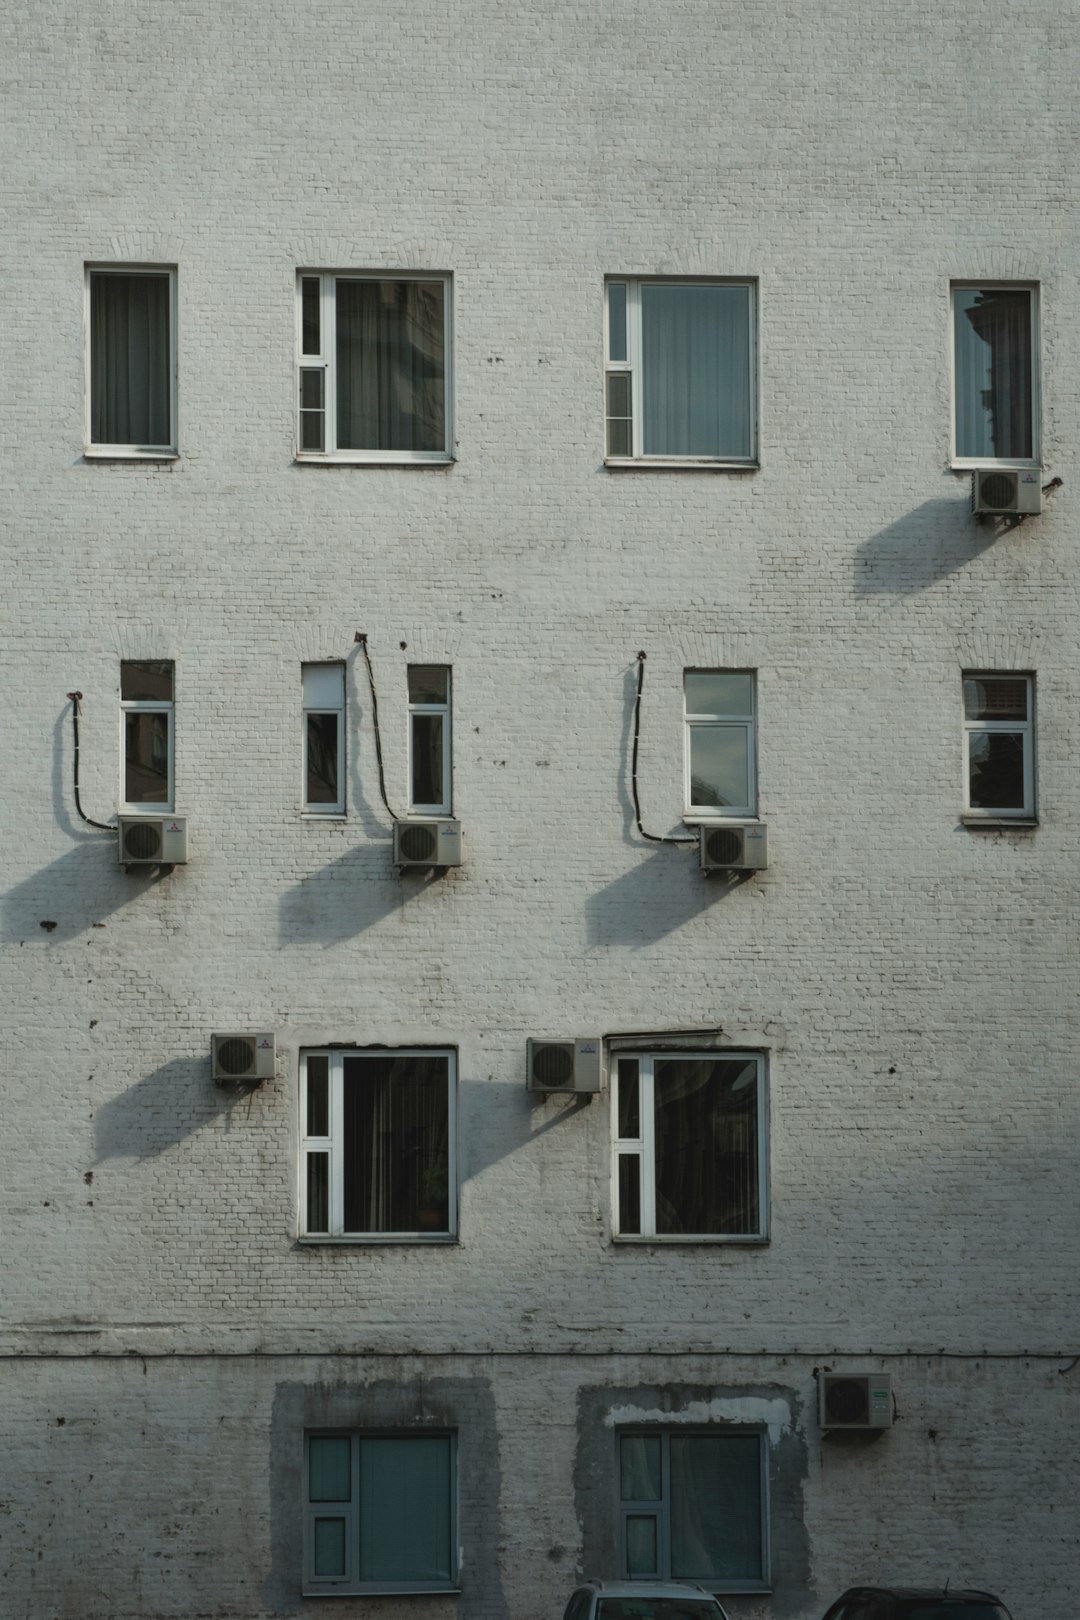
column 724, row 846
column 142, row 840
column 236, row 1056
column 999, row 491
column 418, row 843
column 553, row 1066
column 847, row 1400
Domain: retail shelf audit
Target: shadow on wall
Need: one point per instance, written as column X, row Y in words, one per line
column 343, row 898
column 656, row 898
column 927, row 545
column 163, row 1109
column 74, row 892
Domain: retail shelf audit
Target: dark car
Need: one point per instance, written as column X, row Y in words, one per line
column 917, row 1603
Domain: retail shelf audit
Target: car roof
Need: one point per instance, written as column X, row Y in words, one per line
column 934, row 1594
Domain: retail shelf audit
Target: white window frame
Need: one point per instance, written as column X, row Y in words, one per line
column 661, row 1510
column 334, row 1146
column 146, row 706
column 1025, row 729
column 1035, row 460
column 130, row 452
column 316, row 1585
column 443, row 808
column 746, row 723
column 632, row 366
column 325, row 362
column 643, row 1148
column 310, row 807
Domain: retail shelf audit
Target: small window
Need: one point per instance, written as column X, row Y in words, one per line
column 681, row 382
column 429, row 739
column 378, row 1154
column 146, row 719
column 373, row 361
column 999, row 745
column 693, row 1507
column 324, row 738
column 689, row 1140
column 995, row 375
column 131, row 332
column 721, row 776
column 380, row 1513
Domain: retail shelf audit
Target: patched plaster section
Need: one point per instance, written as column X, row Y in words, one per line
column 775, row 1415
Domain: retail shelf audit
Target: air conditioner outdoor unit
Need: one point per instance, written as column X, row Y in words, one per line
column 734, row 846
column 565, row 1065
column 427, row 843
column 1004, row 491
column 240, row 1058
column 856, row 1401
column 152, row 840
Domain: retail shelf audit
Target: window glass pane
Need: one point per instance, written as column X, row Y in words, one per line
column 719, row 692
column 629, row 1091
column 390, row 365
column 329, row 1468
column 322, row 759
column 312, row 434
column 318, row 1193
column 992, row 355
column 619, row 439
column 324, row 686
column 309, row 315
column 629, row 1212
column 991, row 697
column 720, row 766
column 396, row 1143
column 329, row 1547
column 146, row 758
column 146, row 681
column 706, row 1146
column 616, row 303
column 657, row 1608
column 405, row 1509
column 318, row 1098
column 695, row 370
column 996, row 770
column 129, row 359
column 429, row 683
column 427, row 759
column 618, row 393
column 640, row 1544
column 640, row 1467
column 716, row 1507
column 312, row 379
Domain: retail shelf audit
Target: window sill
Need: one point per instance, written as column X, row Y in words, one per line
column 323, row 815
column 739, row 818
column 632, row 1240
column 996, row 823
column 121, row 452
column 366, row 1240
column 389, row 1591
column 677, row 464
column 1005, row 463
column 375, row 459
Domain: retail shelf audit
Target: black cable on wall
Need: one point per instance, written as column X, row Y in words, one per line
column 102, row 826
column 656, row 838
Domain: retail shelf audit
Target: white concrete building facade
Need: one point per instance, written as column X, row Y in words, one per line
column 499, row 346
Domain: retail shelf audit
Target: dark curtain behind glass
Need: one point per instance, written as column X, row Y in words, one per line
column 706, row 1146
column 129, row 360
column 993, row 373
column 390, row 366
column 396, row 1130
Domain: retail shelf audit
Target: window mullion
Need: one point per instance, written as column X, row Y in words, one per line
column 337, row 1156
column 646, row 1124
column 328, row 346
column 633, row 355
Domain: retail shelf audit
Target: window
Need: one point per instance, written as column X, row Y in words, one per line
column 380, row 1513
column 131, row 331
column 429, row 739
column 681, row 371
column 720, row 764
column 693, row 1507
column 690, row 1146
column 324, row 738
column 378, row 1152
column 995, row 375
column 373, row 362
column 146, row 720
column 999, row 745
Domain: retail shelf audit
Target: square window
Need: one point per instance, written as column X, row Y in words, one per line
column 373, row 363
column 429, row 739
column 131, row 381
column 379, row 1154
column 323, row 687
column 721, row 774
column 999, row 745
column 379, row 1512
column 681, row 372
column 693, row 1507
column 995, row 348
column 689, row 1144
column 146, row 735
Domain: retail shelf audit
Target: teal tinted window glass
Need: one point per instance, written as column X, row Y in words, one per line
column 641, row 1545
column 329, row 1548
column 329, row 1471
column 639, row 1456
column 716, row 1507
column 405, row 1507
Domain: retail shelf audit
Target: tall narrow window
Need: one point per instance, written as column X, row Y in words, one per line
column 995, row 375
column 689, row 1140
column 429, row 739
column 131, row 331
column 681, row 371
column 693, row 1505
column 324, row 738
column 721, row 776
column 373, row 357
column 146, row 719
column 999, row 745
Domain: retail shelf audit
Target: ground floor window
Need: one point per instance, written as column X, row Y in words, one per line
column 693, row 1506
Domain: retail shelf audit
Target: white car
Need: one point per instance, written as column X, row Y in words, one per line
column 643, row 1600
